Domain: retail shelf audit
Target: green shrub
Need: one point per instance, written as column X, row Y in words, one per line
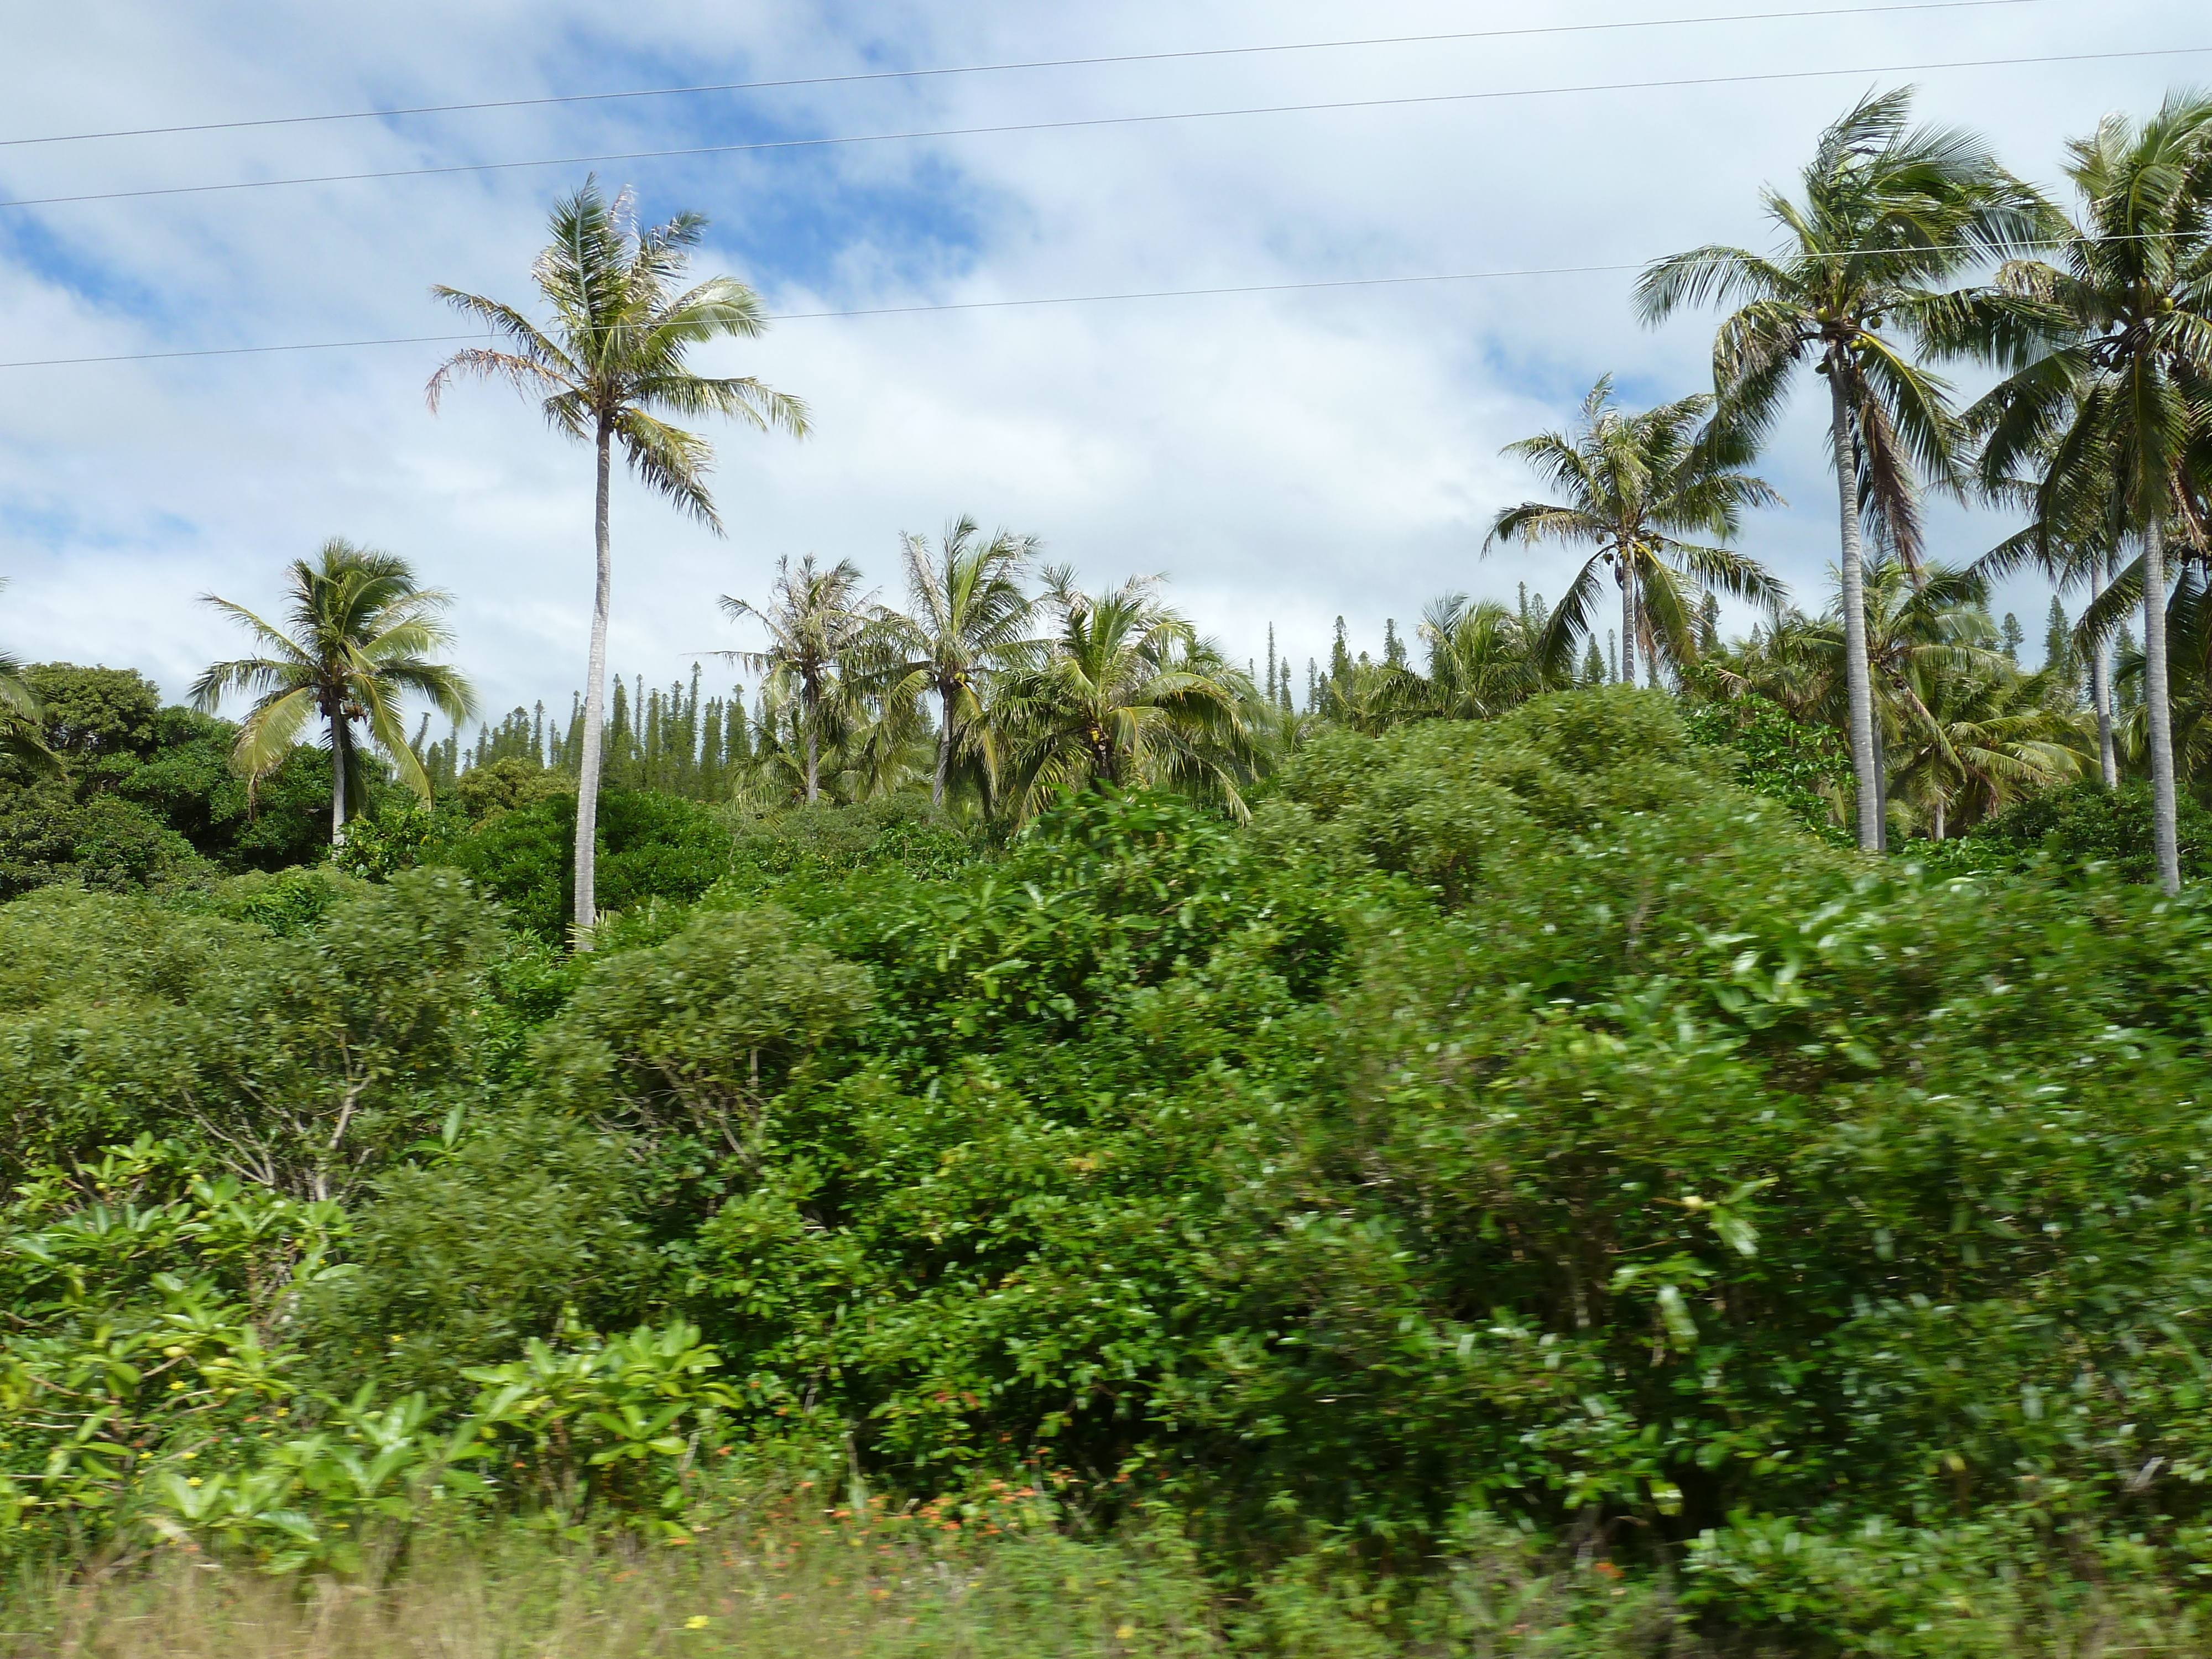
column 2083, row 823
column 651, row 846
column 477, row 1244
column 801, row 857
column 302, row 1060
column 106, row 842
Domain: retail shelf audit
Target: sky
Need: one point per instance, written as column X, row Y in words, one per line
column 1281, row 458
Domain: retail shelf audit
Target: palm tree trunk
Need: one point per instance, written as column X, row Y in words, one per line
column 1627, row 621
column 1880, row 787
column 813, row 764
column 2158, row 715
column 2101, row 684
column 595, row 684
column 338, row 734
column 1863, row 766
column 944, row 753
column 1939, row 818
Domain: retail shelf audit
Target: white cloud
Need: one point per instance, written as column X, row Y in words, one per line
column 1288, row 457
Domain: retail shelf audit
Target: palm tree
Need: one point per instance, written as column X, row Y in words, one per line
column 1890, row 214
column 1970, row 743
column 2188, row 662
column 2117, row 413
column 22, row 724
column 360, row 639
column 612, row 367
column 2083, row 554
column 970, row 620
column 1482, row 656
column 1127, row 695
column 824, row 636
column 1631, row 483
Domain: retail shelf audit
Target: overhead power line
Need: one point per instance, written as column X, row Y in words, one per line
column 1102, row 121
column 962, row 305
column 996, row 69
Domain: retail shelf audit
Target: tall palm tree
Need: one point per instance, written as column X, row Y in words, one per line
column 825, row 636
column 971, row 618
column 1126, row 695
column 1891, row 215
column 2119, row 412
column 611, row 367
column 361, row 634
column 1632, row 484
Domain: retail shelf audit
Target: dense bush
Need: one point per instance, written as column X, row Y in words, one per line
column 147, row 797
column 651, row 846
column 46, row 836
column 2085, row 824
column 1516, row 1126
column 298, row 1058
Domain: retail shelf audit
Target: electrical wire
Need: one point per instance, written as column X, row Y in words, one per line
column 995, row 69
column 959, row 305
column 1104, row 121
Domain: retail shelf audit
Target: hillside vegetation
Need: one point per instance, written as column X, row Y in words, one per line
column 1519, row 1159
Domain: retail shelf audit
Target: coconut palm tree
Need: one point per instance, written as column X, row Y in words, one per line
column 1972, row 743
column 1126, row 695
column 612, row 368
column 1891, row 215
column 1631, row 484
column 1482, row 656
column 2118, row 412
column 1923, row 629
column 357, row 638
column 22, row 726
column 2082, row 553
column 969, row 619
column 824, row 638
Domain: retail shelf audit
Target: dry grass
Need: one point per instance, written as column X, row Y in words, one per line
column 888, row 1587
column 852, row 1591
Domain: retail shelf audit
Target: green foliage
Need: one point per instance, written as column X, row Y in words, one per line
column 1518, row 1132
column 651, row 846
column 403, row 834
column 149, row 1310
column 93, row 713
column 1801, row 767
column 146, row 793
column 803, row 859
column 502, row 785
column 46, row 837
column 300, row 1060
column 477, row 1245
column 2086, row 823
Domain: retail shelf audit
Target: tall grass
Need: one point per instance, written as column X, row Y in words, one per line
column 918, row 1584
column 908, row 1586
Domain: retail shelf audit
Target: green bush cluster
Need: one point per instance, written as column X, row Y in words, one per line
column 2080, row 824
column 1516, row 1125
column 146, row 798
